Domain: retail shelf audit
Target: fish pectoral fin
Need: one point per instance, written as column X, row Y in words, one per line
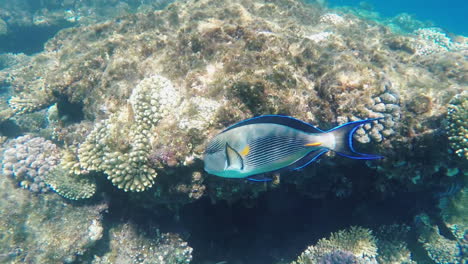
column 233, row 159
column 259, row 178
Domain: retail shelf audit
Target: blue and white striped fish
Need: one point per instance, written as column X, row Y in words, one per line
column 270, row 143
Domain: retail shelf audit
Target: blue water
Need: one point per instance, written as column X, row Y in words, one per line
column 451, row 16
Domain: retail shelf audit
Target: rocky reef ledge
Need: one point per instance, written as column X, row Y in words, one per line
column 135, row 99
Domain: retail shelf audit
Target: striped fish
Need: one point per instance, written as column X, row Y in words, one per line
column 270, row 143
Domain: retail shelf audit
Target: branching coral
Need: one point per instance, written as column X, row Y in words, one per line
column 120, row 146
column 38, row 165
column 28, row 160
column 457, row 127
column 357, row 241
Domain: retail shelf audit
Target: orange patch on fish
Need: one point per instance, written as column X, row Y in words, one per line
column 245, row 151
column 314, row 144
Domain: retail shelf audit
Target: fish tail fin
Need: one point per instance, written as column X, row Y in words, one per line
column 343, row 135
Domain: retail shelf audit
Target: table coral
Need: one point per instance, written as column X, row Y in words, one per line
column 69, row 185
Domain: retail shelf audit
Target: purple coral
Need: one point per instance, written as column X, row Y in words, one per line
column 338, row 257
column 28, row 160
column 163, row 156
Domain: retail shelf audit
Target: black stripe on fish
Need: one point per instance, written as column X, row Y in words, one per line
column 269, row 149
column 214, row 146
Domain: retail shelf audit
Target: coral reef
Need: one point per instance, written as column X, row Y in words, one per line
column 440, row 249
column 392, row 244
column 121, row 149
column 44, row 228
column 354, row 245
column 454, row 212
column 136, row 98
column 129, row 245
column 457, row 127
column 70, row 186
column 39, row 165
column 230, row 60
column 28, row 160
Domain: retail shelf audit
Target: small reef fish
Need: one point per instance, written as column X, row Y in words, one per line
column 273, row 143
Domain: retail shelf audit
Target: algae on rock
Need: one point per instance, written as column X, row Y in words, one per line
column 230, row 60
column 45, row 228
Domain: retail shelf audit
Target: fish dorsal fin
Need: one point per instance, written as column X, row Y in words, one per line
column 280, row 120
column 308, row 159
column 233, row 159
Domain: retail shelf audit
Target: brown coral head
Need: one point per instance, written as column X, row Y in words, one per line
column 420, row 104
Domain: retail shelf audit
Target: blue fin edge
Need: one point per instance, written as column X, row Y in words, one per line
column 359, row 123
column 277, row 119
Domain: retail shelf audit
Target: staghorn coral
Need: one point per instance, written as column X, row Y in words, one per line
column 357, row 241
column 129, row 245
column 457, row 128
column 45, row 228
